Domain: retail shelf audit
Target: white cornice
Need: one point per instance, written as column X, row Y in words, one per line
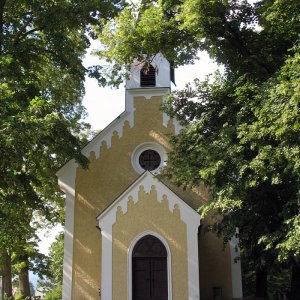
column 148, row 183
column 66, row 177
column 147, row 180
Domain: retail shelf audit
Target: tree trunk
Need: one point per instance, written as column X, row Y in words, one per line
column 295, row 283
column 7, row 282
column 261, row 284
column 24, row 278
column 1, row 285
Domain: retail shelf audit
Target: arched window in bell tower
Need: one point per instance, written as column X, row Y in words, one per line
column 147, row 76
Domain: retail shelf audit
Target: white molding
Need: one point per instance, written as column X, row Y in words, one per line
column 189, row 216
column 148, row 146
column 148, row 93
column 169, row 261
column 67, row 174
column 66, row 177
column 147, row 180
column 66, row 182
column 162, row 66
column 68, row 247
column 236, row 272
column 106, row 272
column 193, row 260
column 178, row 126
column 117, row 125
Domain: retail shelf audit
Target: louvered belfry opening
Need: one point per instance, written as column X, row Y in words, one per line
column 148, row 76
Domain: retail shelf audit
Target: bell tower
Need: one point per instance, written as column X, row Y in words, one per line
column 156, row 74
column 147, row 80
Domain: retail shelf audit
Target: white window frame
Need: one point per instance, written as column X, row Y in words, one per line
column 148, row 146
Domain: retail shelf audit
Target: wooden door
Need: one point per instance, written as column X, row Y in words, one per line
column 149, row 270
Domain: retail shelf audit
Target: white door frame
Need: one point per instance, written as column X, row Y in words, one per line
column 169, row 261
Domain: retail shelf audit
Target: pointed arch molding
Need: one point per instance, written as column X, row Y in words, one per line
column 169, row 260
column 148, row 185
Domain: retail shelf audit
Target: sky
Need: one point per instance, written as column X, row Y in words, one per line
column 105, row 104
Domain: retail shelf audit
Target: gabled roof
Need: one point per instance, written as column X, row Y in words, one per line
column 67, row 173
column 148, row 180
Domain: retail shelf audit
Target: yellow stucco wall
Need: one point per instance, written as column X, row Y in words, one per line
column 214, row 272
column 149, row 214
column 107, row 177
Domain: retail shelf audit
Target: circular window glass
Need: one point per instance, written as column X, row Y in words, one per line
column 149, row 160
column 148, row 156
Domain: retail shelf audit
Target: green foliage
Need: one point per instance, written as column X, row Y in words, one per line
column 243, row 142
column 42, row 44
column 245, row 38
column 53, row 282
column 56, row 256
column 242, row 126
column 55, row 294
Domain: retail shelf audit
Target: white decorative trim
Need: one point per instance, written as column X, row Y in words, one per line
column 190, row 217
column 169, row 261
column 177, row 126
column 67, row 174
column 193, row 261
column 147, row 93
column 147, row 180
column 127, row 116
column 236, row 272
column 68, row 247
column 66, row 182
column 162, row 67
column 148, row 146
column 106, row 272
column 106, row 135
column 117, row 125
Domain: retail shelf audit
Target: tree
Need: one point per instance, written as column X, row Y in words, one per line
column 53, row 283
column 242, row 126
column 42, row 44
column 244, row 144
column 244, row 38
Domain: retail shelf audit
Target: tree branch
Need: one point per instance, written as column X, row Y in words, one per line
column 234, row 37
column 19, row 35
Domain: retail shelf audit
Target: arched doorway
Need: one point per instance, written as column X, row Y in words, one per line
column 149, row 270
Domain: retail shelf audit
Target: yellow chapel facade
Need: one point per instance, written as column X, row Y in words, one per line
column 128, row 235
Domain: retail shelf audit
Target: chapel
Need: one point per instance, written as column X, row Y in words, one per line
column 129, row 234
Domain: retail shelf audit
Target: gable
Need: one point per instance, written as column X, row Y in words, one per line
column 132, row 116
column 137, row 100
column 148, row 184
column 148, row 207
column 127, row 203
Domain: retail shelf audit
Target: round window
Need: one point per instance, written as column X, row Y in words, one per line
column 149, row 160
column 148, row 156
